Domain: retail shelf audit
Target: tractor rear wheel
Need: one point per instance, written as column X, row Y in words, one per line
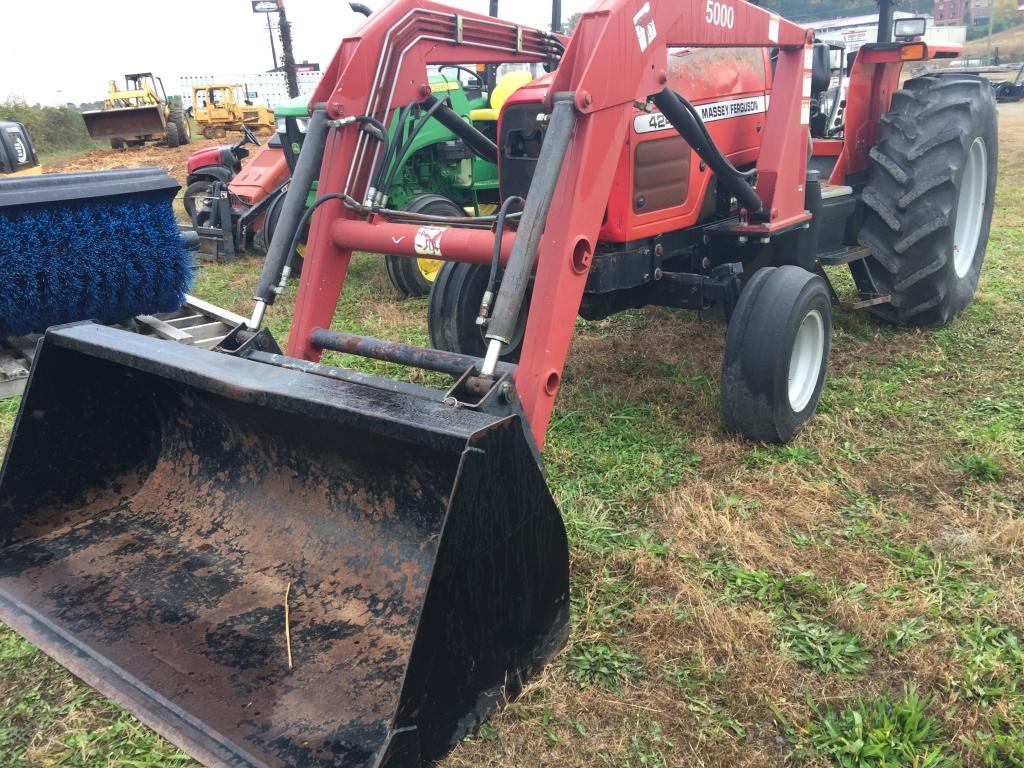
column 928, row 199
column 414, row 277
column 452, row 312
column 776, row 354
column 173, row 140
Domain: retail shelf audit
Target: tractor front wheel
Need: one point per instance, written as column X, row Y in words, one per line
column 261, row 237
column 454, row 305
column 414, row 277
column 180, row 119
column 776, row 354
column 928, row 200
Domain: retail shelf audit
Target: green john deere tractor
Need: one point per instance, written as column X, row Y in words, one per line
column 435, row 172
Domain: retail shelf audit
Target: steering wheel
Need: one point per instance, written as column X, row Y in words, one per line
column 474, row 75
column 248, row 137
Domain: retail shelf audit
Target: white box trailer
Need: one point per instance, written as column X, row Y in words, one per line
column 266, row 89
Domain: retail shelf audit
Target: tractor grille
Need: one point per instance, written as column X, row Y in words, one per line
column 521, row 139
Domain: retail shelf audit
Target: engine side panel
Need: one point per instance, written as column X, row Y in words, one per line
column 659, row 184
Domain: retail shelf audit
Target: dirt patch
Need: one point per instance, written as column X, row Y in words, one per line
column 174, row 161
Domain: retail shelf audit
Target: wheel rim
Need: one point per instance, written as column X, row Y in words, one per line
column 429, row 268
column 805, row 360
column 970, row 207
column 199, row 198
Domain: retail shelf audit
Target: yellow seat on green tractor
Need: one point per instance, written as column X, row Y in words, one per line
column 508, row 85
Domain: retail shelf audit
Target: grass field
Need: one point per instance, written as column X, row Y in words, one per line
column 853, row 599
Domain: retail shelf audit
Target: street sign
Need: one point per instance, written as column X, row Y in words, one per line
column 264, row 6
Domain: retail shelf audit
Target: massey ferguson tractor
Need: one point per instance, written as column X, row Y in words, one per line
column 278, row 562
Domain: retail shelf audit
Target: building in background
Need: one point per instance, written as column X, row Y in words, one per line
column 967, row 12
column 854, row 31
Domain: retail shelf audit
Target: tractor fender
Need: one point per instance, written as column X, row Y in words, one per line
column 219, row 173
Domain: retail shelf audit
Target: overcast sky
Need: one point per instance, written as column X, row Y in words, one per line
column 68, row 51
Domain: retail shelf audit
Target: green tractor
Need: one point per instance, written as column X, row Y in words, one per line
column 435, row 174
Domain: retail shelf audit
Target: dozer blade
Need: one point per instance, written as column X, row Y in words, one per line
column 159, row 501
column 125, row 123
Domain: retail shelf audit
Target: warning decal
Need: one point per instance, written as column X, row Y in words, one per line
column 428, row 241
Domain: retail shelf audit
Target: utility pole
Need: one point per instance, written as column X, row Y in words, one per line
column 988, row 43
column 286, row 50
column 556, row 16
column 270, row 32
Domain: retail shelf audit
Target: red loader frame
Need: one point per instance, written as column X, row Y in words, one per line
column 616, row 59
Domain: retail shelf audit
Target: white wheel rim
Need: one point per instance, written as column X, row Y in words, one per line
column 970, row 207
column 805, row 361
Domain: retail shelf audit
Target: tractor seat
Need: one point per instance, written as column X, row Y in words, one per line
column 508, row 85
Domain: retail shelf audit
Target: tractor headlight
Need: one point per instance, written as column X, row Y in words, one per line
column 909, row 28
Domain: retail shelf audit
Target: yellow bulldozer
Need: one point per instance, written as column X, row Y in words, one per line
column 217, row 110
column 139, row 113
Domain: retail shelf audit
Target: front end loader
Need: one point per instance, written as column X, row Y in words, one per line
column 138, row 113
column 278, row 562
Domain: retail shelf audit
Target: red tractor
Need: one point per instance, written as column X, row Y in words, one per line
column 276, row 561
column 249, row 191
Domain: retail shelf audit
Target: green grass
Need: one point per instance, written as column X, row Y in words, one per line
column 853, row 599
column 884, row 732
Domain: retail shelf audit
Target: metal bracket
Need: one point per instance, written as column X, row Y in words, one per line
column 242, row 340
column 480, row 393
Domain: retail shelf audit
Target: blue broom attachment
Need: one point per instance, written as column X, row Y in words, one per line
column 89, row 246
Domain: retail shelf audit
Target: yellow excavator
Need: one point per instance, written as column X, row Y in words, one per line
column 139, row 113
column 217, row 110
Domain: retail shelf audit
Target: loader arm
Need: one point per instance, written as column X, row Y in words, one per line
column 616, row 58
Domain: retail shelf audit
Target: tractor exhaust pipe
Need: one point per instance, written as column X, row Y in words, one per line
column 292, row 209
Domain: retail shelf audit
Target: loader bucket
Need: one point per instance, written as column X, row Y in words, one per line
column 125, row 123
column 166, row 512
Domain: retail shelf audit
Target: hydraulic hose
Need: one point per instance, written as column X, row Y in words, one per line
column 407, row 145
column 381, row 170
column 691, row 128
column 492, row 279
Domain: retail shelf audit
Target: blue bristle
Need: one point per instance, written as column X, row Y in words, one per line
column 104, row 259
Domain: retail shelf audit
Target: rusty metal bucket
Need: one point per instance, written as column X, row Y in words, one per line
column 125, row 123
column 158, row 502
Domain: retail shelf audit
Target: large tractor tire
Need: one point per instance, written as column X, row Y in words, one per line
column 173, row 140
column 928, row 199
column 414, row 277
column 180, row 119
column 453, row 308
column 776, row 354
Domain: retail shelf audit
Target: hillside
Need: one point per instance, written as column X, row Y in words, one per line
column 1009, row 42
